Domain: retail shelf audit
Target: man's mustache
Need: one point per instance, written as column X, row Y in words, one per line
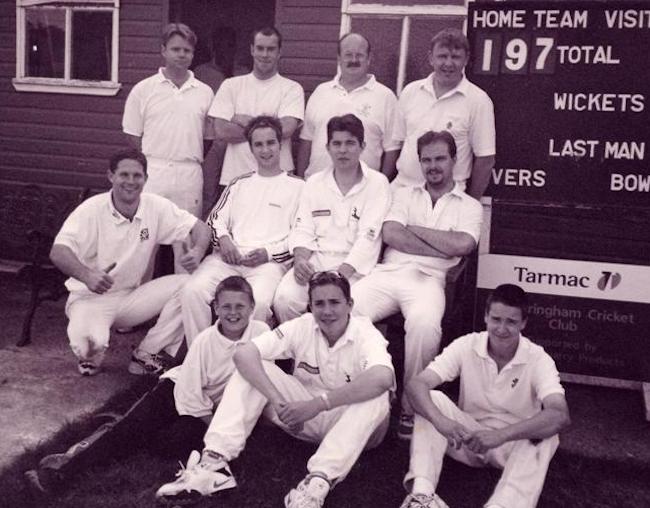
column 354, row 64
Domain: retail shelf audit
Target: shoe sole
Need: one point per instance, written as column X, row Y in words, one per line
column 223, row 493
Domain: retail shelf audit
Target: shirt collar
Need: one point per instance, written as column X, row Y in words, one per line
column 348, row 335
column 117, row 216
column 331, row 182
column 521, row 355
column 370, row 84
column 190, row 83
column 462, row 87
column 455, row 190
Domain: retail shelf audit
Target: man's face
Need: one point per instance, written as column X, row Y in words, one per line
column 266, row 55
column 127, row 180
column 344, row 149
column 437, row 165
column 265, row 148
column 353, row 57
column 233, row 310
column 504, row 325
column 331, row 310
column 178, row 53
column 448, row 64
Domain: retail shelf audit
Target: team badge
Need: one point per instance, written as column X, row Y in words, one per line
column 449, row 126
column 514, row 382
column 144, row 234
column 365, row 109
column 355, row 213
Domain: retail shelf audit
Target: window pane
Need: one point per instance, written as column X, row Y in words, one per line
column 384, row 36
column 91, row 45
column 45, row 42
column 422, row 30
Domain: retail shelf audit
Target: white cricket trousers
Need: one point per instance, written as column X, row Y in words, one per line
column 421, row 300
column 342, row 432
column 524, row 464
column 91, row 317
column 291, row 299
column 199, row 290
column 182, row 184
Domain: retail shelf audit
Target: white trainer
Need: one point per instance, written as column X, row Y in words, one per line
column 307, row 494
column 423, row 501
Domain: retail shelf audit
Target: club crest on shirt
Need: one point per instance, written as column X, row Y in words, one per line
column 364, row 110
column 144, row 234
column 371, row 234
column 355, row 213
column 514, row 382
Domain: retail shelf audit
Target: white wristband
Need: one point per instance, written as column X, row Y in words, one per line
column 326, row 399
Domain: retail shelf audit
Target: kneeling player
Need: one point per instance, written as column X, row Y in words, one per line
column 511, row 408
column 172, row 416
column 337, row 396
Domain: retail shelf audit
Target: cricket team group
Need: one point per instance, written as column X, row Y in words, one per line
column 381, row 202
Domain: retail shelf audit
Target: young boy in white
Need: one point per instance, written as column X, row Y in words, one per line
column 105, row 246
column 511, row 408
column 337, row 395
column 339, row 218
column 250, row 230
column 262, row 92
column 427, row 230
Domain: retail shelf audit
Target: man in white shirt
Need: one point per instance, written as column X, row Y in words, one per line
column 337, row 396
column 105, row 246
column 427, row 230
column 510, row 410
column 261, row 92
column 355, row 91
column 165, row 116
column 339, row 218
column 250, row 230
column 446, row 100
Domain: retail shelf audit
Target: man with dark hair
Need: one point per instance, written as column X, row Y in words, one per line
column 427, row 230
column 446, row 100
column 339, row 218
column 165, row 116
column 261, row 92
column 250, row 230
column 337, row 396
column 511, row 408
column 356, row 91
column 105, row 246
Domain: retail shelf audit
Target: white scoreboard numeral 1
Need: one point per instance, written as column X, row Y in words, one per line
column 516, row 54
column 486, row 64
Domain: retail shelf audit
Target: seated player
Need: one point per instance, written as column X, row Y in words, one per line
column 250, row 227
column 511, row 408
column 105, row 246
column 174, row 414
column 339, row 218
column 427, row 230
column 338, row 396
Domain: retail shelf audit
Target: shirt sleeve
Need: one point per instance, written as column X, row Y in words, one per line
column 278, row 343
column 482, row 134
column 389, row 142
column 309, row 127
column 293, row 102
column 279, row 251
column 219, row 219
column 470, row 219
column 399, row 122
column 447, row 365
column 399, row 208
column 546, row 378
column 133, row 118
column 303, row 233
column 190, row 395
column 223, row 104
column 365, row 251
column 174, row 224
column 79, row 232
column 373, row 349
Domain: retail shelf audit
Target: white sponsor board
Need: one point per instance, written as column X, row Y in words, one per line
column 579, row 279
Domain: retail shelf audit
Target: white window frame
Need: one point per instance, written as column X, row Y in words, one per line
column 66, row 85
column 350, row 9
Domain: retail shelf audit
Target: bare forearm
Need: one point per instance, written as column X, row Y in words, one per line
column 249, row 364
column 229, row 132
column 134, row 141
column 399, row 237
column 449, row 243
column 200, row 235
column 368, row 385
column 388, row 166
column 302, row 157
column 481, row 172
column 302, row 253
column 418, row 394
column 289, row 126
column 546, row 423
column 66, row 261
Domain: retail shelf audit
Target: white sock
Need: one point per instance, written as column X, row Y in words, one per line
column 211, row 459
column 318, row 486
column 423, row 486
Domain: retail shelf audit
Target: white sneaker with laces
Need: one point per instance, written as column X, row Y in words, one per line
column 423, row 501
column 143, row 363
column 308, row 493
column 197, row 480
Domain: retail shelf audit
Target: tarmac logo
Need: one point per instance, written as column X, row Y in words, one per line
column 144, row 234
column 609, row 280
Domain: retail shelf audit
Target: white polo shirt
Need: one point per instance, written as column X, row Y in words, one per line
column 207, row 367
column 247, row 95
column 318, row 366
column 497, row 399
column 258, row 212
column 172, row 121
column 453, row 211
column 465, row 111
column 374, row 104
column 342, row 228
column 99, row 236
